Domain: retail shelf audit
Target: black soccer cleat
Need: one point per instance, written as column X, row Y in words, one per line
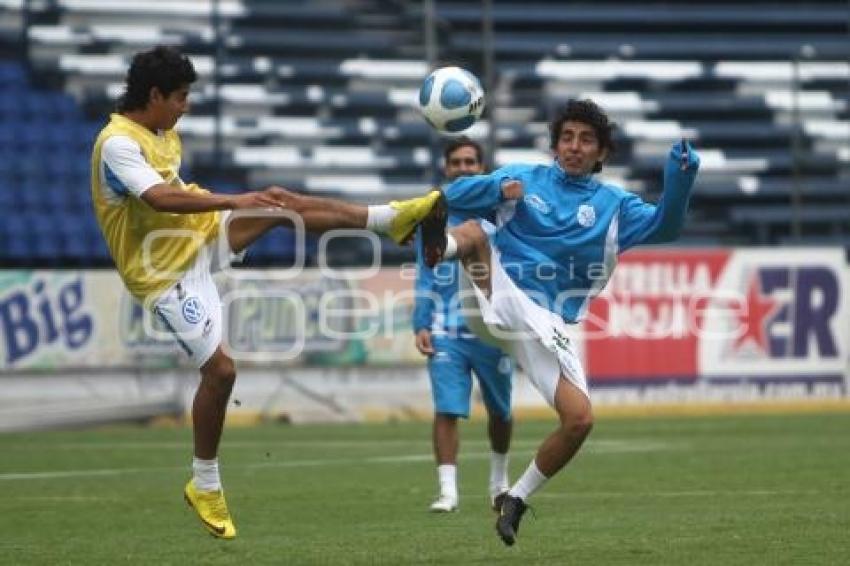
column 434, row 239
column 496, row 504
column 507, row 525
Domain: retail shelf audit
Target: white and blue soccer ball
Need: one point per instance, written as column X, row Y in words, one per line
column 451, row 99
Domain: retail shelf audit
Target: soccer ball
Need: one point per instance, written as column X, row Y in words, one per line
column 451, row 99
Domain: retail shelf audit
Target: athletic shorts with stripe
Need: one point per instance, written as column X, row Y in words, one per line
column 537, row 338
column 191, row 308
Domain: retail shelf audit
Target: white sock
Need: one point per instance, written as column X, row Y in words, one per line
column 379, row 216
column 451, row 247
column 205, row 474
column 447, row 474
column 530, row 481
column 498, row 473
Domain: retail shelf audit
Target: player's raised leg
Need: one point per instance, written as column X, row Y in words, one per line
column 397, row 219
column 467, row 242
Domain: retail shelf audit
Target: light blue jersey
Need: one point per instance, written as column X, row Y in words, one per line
column 561, row 243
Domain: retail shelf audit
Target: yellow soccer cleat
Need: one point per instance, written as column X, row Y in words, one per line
column 212, row 510
column 410, row 213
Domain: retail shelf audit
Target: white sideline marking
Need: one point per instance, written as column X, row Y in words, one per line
column 79, row 473
column 595, row 446
column 598, row 447
column 671, row 494
column 62, row 498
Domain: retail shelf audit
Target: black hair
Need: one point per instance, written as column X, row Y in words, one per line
column 163, row 67
column 460, row 142
column 587, row 112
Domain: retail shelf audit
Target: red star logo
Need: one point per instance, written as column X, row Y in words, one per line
column 753, row 318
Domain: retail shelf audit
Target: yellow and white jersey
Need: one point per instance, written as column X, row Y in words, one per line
column 151, row 249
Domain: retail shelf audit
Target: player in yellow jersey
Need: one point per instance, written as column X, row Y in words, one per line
column 163, row 235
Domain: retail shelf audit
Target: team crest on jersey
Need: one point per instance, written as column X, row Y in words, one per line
column 193, row 310
column 534, row 201
column 586, row 215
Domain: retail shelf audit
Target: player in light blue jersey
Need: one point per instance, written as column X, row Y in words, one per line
column 454, row 352
column 554, row 247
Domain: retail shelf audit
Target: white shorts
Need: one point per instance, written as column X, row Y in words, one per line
column 538, row 339
column 191, row 308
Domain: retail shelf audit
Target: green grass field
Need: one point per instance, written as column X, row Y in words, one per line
column 709, row 490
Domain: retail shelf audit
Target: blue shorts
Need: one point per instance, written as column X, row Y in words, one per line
column 451, row 367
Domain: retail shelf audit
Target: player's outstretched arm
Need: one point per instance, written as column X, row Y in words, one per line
column 482, row 194
column 680, row 171
column 644, row 223
column 166, row 198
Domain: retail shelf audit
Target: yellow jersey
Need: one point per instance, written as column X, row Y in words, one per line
column 151, row 249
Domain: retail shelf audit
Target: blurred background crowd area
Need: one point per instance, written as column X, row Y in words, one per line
column 319, row 96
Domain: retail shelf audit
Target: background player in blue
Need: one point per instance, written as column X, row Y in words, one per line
column 454, row 352
column 554, row 247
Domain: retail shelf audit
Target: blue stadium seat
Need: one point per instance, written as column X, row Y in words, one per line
column 78, row 190
column 8, row 201
column 35, row 138
column 81, row 168
column 60, row 134
column 59, row 163
column 10, row 102
column 60, row 198
column 72, row 234
column 18, row 237
column 84, row 135
column 33, row 194
column 275, row 247
column 95, row 242
column 8, row 168
column 12, row 73
column 75, row 248
column 38, row 107
column 10, row 138
column 65, row 107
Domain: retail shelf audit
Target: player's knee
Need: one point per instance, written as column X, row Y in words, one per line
column 446, row 418
column 473, row 242
column 220, row 374
column 578, row 425
column 474, row 233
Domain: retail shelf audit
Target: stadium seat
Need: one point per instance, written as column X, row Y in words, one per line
column 18, row 238
column 12, row 76
column 8, row 201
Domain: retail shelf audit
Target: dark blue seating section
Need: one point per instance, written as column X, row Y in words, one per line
column 44, row 176
column 319, row 97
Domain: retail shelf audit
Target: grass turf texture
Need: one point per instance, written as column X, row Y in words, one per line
column 768, row 489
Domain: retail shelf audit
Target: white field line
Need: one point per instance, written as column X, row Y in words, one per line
column 62, row 498
column 596, row 446
column 676, row 494
column 599, row 447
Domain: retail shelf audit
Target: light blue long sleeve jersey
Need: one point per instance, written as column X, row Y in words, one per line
column 436, row 306
column 561, row 243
